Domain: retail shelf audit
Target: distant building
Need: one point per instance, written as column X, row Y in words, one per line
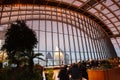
column 59, row 57
column 49, row 59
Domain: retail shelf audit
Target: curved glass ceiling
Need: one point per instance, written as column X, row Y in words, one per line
column 108, row 11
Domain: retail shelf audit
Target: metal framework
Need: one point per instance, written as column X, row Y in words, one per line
column 78, row 34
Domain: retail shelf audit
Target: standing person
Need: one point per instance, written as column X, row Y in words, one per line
column 75, row 72
column 63, row 73
column 84, row 70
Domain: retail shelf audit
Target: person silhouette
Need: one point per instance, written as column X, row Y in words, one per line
column 63, row 73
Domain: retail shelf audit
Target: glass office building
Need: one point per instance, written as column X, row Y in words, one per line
column 67, row 31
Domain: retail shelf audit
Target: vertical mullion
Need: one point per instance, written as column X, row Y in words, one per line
column 77, row 27
column 52, row 35
column 89, row 35
column 109, row 48
column 100, row 47
column 25, row 11
column 104, row 45
column 10, row 13
column 73, row 37
column 114, row 52
column 1, row 12
column 86, row 37
column 63, row 35
column 19, row 15
column 58, row 36
column 68, row 36
column 97, row 40
column 92, row 42
column 117, row 42
column 95, row 43
column 45, row 35
column 32, row 13
column 18, row 12
column 80, row 24
column 39, row 33
column 85, row 46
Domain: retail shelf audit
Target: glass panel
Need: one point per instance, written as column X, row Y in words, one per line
column 73, row 57
column 48, row 24
column 114, row 19
column 108, row 2
column 65, row 28
column 42, row 41
column 55, row 40
column 42, row 25
column 117, row 12
column 118, row 28
column 67, row 46
column 98, row 6
column 54, row 24
column 113, row 29
column 114, row 7
column 110, row 15
column 105, row 11
column 49, row 42
column 117, row 23
column 71, row 43
column 61, row 42
column 35, row 24
column 70, row 29
column 60, row 27
column 110, row 26
column 92, row 10
column 115, row 32
column 77, row 3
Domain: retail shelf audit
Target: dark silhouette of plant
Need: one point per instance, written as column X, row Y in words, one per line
column 19, row 43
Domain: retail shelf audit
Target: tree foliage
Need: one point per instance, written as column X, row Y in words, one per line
column 19, row 41
column 19, row 37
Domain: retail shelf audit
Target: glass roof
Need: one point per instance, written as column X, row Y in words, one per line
column 108, row 11
column 77, row 3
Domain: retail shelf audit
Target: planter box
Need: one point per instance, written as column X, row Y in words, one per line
column 108, row 74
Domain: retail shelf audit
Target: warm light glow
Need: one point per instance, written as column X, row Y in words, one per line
column 3, row 56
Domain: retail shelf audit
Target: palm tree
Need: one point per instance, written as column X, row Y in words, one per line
column 19, row 42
